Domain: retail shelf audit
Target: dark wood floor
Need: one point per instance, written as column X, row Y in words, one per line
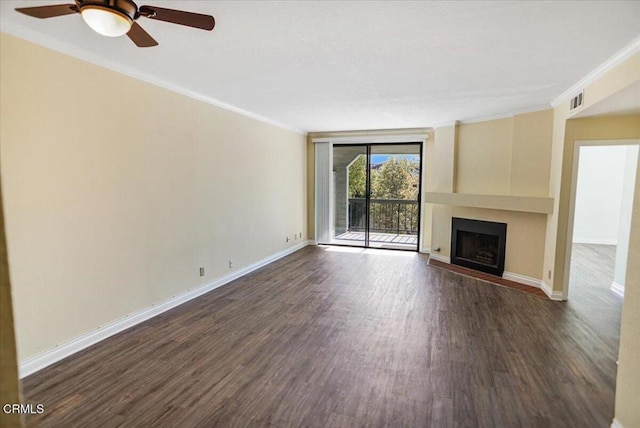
column 590, row 295
column 336, row 338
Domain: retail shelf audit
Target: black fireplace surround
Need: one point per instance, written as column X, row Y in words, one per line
column 478, row 244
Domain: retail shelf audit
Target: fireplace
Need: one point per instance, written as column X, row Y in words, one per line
column 478, row 245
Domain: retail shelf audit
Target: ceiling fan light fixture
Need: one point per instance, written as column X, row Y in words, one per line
column 106, row 21
column 114, row 18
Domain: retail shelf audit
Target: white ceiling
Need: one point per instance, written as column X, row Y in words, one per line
column 324, row 65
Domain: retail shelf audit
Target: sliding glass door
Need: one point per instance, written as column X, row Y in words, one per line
column 376, row 195
column 394, row 203
column 350, row 187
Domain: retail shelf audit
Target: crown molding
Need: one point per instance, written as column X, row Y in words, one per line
column 84, row 55
column 623, row 54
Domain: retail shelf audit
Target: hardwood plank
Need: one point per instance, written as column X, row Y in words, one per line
column 330, row 338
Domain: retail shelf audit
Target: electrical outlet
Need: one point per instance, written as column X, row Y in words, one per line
column 300, row 235
column 549, row 274
column 288, row 239
column 230, row 264
column 201, row 271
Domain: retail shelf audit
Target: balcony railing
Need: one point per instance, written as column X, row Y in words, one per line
column 398, row 216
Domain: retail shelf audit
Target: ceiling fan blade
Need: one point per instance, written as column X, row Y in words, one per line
column 49, row 11
column 141, row 38
column 190, row 19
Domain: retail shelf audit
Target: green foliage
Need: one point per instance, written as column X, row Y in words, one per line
column 396, row 179
column 358, row 178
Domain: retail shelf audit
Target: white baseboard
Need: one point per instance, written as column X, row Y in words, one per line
column 617, row 288
column 553, row 295
column 522, row 279
column 595, row 241
column 61, row 351
column 616, row 424
column 425, row 250
column 440, row 258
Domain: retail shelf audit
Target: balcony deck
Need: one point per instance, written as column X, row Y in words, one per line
column 378, row 240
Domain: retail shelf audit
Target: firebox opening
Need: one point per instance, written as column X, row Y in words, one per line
column 478, row 245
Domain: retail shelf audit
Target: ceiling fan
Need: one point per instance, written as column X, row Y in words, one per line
column 114, row 18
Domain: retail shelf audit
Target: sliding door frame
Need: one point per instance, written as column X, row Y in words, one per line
column 367, row 199
column 368, row 147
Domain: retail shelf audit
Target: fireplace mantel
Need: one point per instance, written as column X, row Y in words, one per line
column 529, row 204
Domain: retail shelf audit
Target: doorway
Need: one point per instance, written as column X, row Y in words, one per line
column 602, row 192
column 376, row 195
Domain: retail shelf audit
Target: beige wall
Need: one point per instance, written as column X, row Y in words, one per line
column 596, row 128
column 531, row 153
column 616, row 79
column 442, row 175
column 509, row 156
column 525, row 235
column 484, row 157
column 560, row 115
column 10, row 385
column 117, row 191
column 311, row 190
